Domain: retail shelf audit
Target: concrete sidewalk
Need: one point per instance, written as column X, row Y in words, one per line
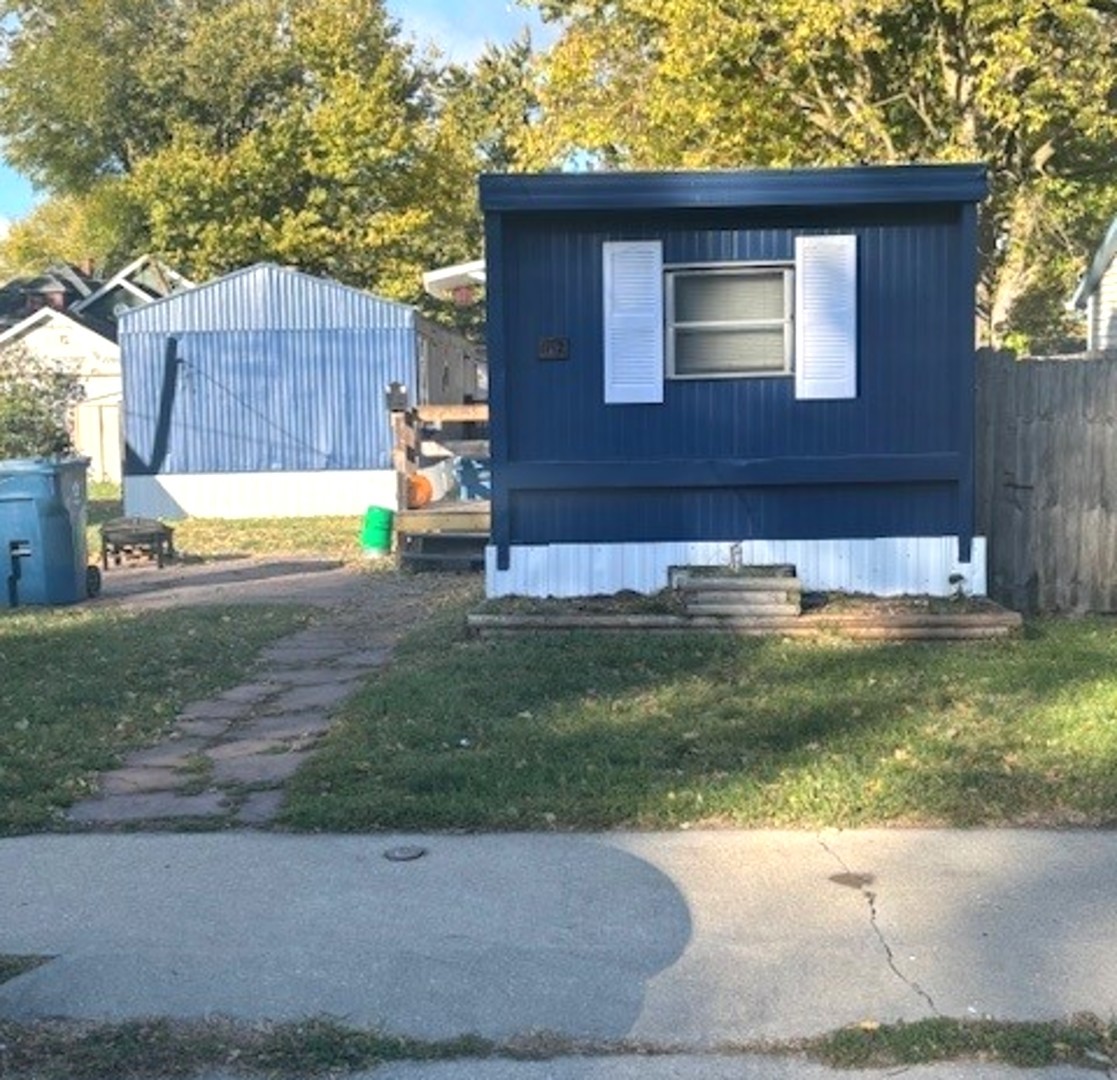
column 691, row 940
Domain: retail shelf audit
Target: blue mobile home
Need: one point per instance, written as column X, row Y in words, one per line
column 262, row 393
column 683, row 362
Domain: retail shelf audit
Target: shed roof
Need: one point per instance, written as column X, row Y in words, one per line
column 267, row 297
column 1105, row 254
column 858, row 185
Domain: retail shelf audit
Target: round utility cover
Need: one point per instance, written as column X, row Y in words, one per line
column 407, row 853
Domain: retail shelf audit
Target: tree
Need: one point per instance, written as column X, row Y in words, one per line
column 493, row 104
column 1029, row 87
column 35, row 404
column 103, row 227
column 302, row 131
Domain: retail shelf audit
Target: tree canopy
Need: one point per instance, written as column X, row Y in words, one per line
column 303, row 131
column 221, row 132
column 1028, row 87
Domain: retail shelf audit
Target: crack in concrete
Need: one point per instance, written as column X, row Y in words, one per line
column 889, row 955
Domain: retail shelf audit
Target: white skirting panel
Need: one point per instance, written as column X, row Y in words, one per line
column 257, row 495
column 885, row 566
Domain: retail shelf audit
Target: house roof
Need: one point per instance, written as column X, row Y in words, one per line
column 1105, row 254
column 147, row 278
column 620, row 191
column 59, row 277
column 48, row 314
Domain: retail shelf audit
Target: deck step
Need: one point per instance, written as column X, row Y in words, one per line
column 441, row 560
column 442, row 550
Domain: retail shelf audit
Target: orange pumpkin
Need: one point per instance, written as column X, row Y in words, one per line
column 419, row 491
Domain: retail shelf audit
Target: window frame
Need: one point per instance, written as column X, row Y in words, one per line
column 731, row 269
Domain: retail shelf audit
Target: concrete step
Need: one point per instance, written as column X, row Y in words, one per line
column 729, row 596
column 738, row 584
column 743, row 611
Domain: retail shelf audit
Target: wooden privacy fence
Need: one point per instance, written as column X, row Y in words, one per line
column 1047, row 480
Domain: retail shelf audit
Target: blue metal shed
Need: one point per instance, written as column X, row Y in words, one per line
column 681, row 362
column 262, row 393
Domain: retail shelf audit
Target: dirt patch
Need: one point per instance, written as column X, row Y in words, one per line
column 838, row 603
column 671, row 602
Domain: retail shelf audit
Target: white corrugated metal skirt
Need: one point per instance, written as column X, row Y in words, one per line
column 884, row 566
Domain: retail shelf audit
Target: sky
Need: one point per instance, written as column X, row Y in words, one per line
column 460, row 28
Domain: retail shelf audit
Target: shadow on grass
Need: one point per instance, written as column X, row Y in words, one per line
column 599, row 731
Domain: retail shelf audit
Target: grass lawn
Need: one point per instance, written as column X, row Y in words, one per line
column 82, row 685
column 667, row 731
column 207, row 538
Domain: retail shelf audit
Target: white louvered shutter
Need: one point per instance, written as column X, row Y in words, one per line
column 633, row 272
column 825, row 317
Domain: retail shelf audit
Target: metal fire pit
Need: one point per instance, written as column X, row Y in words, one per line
column 136, row 538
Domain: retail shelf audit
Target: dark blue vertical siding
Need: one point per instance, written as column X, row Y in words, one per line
column 915, row 347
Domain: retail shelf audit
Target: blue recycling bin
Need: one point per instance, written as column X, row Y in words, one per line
column 43, row 506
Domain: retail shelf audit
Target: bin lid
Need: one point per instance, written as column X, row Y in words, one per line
column 39, row 465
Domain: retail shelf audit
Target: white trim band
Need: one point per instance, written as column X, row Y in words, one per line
column 260, row 495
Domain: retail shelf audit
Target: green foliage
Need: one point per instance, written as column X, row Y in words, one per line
column 103, row 225
column 346, row 174
column 1025, row 87
column 35, row 403
column 299, row 131
column 493, row 104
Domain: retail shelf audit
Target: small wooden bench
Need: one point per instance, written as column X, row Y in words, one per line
column 132, row 537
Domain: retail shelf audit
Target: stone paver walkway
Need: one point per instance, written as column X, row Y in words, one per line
column 225, row 759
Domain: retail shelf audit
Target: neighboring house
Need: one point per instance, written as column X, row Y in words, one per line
column 140, row 282
column 681, row 363
column 1097, row 295
column 262, row 393
column 76, row 345
column 59, row 287
column 67, row 317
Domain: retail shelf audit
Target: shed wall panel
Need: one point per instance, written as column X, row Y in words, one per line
column 262, row 400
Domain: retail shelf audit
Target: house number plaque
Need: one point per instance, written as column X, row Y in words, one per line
column 554, row 348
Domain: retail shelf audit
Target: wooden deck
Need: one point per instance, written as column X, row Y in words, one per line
column 446, row 535
column 471, row 517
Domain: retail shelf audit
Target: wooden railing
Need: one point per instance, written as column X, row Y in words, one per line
column 417, row 435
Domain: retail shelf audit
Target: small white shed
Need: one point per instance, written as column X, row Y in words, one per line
column 1097, row 295
column 60, row 339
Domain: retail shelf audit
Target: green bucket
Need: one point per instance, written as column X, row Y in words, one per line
column 376, row 532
